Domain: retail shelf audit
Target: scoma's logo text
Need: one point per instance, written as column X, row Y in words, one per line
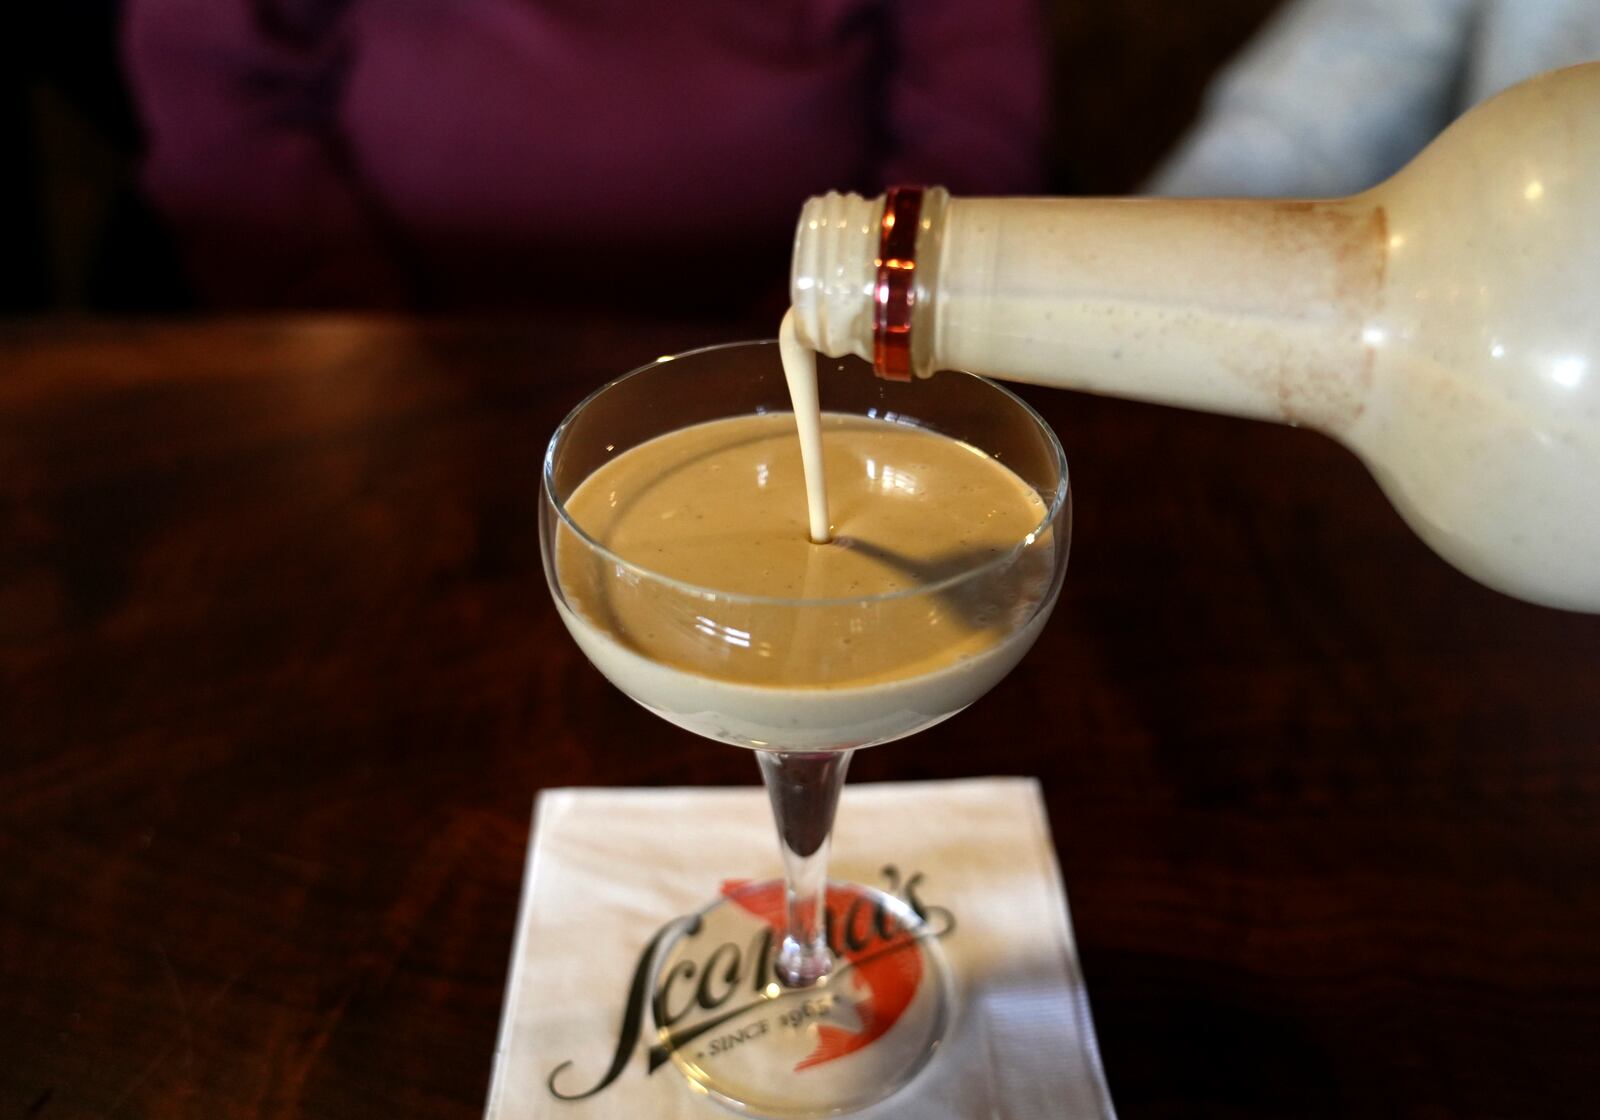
column 721, row 996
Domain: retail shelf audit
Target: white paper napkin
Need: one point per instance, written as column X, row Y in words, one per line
column 608, row 867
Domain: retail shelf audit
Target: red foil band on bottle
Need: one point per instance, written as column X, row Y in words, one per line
column 895, row 296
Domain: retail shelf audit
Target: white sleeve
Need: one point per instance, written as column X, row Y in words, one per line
column 1331, row 97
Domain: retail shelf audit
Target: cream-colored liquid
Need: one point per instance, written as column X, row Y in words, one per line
column 722, row 505
column 800, row 374
column 805, row 581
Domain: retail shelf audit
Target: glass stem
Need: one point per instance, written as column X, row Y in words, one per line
column 804, row 788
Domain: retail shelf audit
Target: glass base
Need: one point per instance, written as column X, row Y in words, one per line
column 846, row 1041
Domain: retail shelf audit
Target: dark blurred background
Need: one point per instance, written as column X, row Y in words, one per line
column 78, row 236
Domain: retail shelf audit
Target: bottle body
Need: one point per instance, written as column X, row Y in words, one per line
column 1442, row 325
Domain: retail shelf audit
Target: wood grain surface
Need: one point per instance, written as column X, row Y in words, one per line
column 279, row 679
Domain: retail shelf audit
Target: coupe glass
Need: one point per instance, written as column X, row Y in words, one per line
column 800, row 997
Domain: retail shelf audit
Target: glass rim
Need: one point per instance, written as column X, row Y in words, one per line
column 712, row 594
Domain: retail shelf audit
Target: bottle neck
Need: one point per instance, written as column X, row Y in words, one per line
column 864, row 272
column 1253, row 308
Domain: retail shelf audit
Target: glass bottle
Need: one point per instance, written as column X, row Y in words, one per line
column 1444, row 325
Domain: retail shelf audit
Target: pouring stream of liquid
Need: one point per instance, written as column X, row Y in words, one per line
column 800, row 371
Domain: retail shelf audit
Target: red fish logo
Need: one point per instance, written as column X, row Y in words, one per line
column 881, row 961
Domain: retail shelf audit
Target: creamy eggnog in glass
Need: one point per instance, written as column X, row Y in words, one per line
column 679, row 548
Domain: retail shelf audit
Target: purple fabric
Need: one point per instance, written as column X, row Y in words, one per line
column 372, row 152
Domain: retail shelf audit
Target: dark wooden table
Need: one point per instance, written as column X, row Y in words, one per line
column 279, row 679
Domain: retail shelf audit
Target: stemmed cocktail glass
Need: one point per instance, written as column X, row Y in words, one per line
column 799, row 997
